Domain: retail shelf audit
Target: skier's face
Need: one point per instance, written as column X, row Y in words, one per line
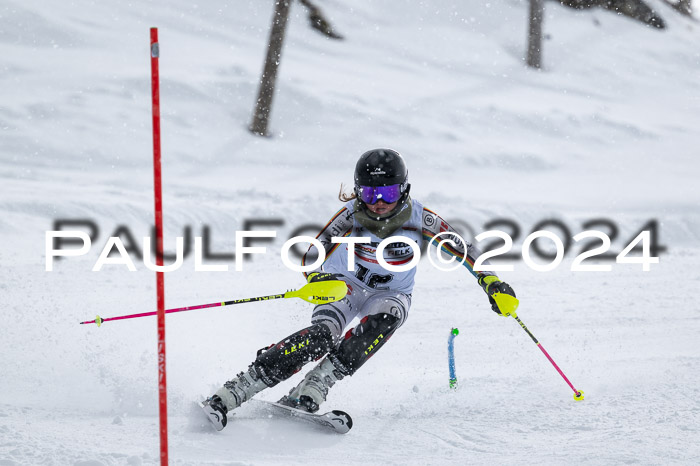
column 381, row 207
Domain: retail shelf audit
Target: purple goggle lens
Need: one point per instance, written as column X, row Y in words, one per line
column 372, row 194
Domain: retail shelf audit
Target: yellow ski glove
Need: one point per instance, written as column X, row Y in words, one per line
column 491, row 285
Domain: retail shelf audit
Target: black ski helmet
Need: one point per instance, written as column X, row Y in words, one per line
column 381, row 167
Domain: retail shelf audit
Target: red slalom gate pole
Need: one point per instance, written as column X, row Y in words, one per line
column 160, row 285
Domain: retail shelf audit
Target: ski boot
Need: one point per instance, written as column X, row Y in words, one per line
column 312, row 391
column 234, row 392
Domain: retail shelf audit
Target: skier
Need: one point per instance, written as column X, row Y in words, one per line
column 379, row 207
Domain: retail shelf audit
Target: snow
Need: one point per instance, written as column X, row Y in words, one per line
column 608, row 129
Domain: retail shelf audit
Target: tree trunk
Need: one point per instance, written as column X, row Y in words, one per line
column 272, row 61
column 534, row 41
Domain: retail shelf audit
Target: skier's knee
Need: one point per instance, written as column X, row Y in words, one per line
column 333, row 316
column 363, row 342
column 282, row 360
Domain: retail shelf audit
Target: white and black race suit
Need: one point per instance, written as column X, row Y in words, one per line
column 372, row 289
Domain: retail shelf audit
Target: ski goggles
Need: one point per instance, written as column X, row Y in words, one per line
column 372, row 194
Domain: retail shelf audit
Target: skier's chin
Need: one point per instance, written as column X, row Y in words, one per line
column 381, row 209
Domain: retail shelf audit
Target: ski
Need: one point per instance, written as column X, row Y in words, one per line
column 217, row 417
column 336, row 420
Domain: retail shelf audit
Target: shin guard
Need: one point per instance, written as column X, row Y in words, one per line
column 281, row 361
column 362, row 342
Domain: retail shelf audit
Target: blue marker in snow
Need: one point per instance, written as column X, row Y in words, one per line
column 451, row 357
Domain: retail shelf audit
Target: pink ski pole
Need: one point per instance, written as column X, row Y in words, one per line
column 315, row 293
column 507, row 305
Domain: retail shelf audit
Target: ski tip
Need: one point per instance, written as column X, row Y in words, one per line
column 348, row 419
column 216, row 416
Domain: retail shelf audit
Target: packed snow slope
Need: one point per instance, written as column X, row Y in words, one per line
column 608, row 130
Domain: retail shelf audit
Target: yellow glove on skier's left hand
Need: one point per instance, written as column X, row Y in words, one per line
column 491, row 285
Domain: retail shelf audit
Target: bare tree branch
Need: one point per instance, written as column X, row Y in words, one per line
column 635, row 9
column 683, row 7
column 319, row 22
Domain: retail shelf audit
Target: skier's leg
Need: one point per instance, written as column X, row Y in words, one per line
column 281, row 361
column 312, row 390
column 337, row 315
column 273, row 365
column 384, row 312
